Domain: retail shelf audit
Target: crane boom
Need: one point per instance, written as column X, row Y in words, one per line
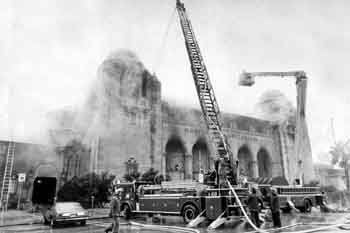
column 205, row 92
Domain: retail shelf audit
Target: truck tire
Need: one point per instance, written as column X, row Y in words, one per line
column 307, row 206
column 127, row 211
column 189, row 213
column 83, row 223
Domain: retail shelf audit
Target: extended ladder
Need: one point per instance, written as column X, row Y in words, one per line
column 204, row 88
column 7, row 175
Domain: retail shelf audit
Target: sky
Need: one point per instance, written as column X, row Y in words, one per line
column 50, row 51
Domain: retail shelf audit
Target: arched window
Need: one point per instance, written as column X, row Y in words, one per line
column 144, row 84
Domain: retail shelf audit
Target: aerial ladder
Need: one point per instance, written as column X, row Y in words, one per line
column 302, row 147
column 5, row 189
column 224, row 164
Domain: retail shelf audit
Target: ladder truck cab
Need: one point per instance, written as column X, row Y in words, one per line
column 187, row 199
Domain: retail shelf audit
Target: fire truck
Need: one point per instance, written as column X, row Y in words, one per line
column 301, row 198
column 223, row 198
column 186, row 199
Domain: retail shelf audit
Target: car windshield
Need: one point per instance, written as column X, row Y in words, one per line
column 68, row 207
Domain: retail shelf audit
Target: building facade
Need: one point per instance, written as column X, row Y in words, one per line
column 128, row 119
column 125, row 126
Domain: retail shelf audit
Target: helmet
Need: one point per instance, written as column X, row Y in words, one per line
column 117, row 191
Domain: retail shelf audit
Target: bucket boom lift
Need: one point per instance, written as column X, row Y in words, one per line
column 302, row 148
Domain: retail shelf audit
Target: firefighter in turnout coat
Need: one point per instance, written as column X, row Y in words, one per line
column 275, row 208
column 114, row 212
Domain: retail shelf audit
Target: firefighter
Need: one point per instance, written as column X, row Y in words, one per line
column 114, row 211
column 201, row 176
column 275, row 208
column 253, row 206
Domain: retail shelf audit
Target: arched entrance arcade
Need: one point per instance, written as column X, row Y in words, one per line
column 175, row 158
column 245, row 159
column 264, row 163
column 201, row 158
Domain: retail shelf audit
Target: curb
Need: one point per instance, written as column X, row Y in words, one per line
column 40, row 222
column 20, row 224
column 100, row 217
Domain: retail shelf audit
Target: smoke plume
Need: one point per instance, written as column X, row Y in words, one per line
column 273, row 105
column 101, row 114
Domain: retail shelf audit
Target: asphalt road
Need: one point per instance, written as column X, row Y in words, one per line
column 95, row 226
column 91, row 227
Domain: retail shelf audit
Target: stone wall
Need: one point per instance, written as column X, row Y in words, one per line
column 187, row 127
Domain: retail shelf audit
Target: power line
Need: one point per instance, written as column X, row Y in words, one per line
column 161, row 49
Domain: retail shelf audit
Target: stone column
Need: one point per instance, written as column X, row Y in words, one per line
column 188, row 166
column 163, row 164
column 254, row 168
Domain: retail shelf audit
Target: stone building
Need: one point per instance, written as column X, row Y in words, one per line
column 328, row 175
column 126, row 123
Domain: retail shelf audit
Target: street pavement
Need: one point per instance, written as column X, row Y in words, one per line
column 311, row 220
column 93, row 226
column 21, row 217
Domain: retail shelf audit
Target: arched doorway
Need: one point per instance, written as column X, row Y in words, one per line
column 200, row 159
column 245, row 159
column 264, row 163
column 175, row 159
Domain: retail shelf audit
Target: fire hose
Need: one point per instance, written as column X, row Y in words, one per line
column 264, row 231
column 243, row 210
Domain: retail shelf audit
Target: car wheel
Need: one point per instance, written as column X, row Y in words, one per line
column 46, row 221
column 189, row 213
column 83, row 223
column 53, row 223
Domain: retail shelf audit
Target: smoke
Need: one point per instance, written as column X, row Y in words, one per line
column 273, row 105
column 102, row 113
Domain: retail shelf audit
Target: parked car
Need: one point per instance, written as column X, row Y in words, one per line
column 63, row 212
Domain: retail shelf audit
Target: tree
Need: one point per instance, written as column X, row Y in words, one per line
column 132, row 176
column 341, row 156
column 149, row 175
column 83, row 188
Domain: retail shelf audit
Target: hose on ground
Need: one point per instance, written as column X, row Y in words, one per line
column 264, row 231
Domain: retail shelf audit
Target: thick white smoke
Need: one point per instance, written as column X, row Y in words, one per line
column 273, row 105
column 101, row 115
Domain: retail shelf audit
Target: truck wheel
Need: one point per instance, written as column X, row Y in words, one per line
column 307, row 206
column 127, row 211
column 189, row 213
column 83, row 223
